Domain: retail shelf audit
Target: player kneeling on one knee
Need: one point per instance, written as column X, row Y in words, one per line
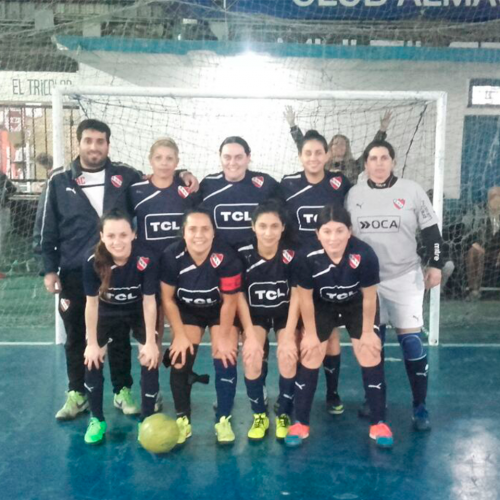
column 337, row 283
column 269, row 301
column 200, row 280
column 120, row 284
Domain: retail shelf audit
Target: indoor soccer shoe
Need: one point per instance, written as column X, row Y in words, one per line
column 125, row 402
column 382, row 435
column 185, row 430
column 421, row 420
column 296, row 434
column 224, row 432
column 282, row 425
column 75, row 403
column 334, row 405
column 95, row 431
column 259, row 426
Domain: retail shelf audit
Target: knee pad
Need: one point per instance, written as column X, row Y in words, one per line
column 412, row 346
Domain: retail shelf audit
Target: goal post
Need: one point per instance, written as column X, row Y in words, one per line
column 130, row 97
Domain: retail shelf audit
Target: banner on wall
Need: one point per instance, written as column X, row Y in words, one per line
column 350, row 10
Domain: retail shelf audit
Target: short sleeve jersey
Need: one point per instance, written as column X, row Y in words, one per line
column 342, row 282
column 304, row 200
column 232, row 203
column 201, row 286
column 159, row 213
column 388, row 220
column 267, row 283
column 128, row 284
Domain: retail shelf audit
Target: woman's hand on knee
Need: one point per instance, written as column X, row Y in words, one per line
column 149, row 355
column 94, row 356
column 253, row 352
column 287, row 352
column 369, row 347
column 178, row 349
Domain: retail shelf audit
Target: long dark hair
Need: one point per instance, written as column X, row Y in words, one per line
column 313, row 135
column 289, row 236
column 333, row 213
column 103, row 260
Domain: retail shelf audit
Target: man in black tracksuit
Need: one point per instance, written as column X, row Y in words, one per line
column 75, row 200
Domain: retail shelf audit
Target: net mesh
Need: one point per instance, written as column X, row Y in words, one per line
column 307, row 45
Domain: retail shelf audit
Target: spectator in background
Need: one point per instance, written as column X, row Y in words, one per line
column 483, row 257
column 7, row 189
column 339, row 147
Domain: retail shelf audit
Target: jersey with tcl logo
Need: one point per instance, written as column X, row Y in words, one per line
column 305, row 200
column 341, row 281
column 267, row 283
column 201, row 285
column 159, row 213
column 232, row 203
column 128, row 283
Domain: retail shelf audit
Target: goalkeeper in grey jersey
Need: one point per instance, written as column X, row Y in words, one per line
column 386, row 213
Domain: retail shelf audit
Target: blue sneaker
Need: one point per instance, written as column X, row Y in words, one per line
column 421, row 418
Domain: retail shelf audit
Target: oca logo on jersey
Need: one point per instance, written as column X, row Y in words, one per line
column 269, row 294
column 234, row 215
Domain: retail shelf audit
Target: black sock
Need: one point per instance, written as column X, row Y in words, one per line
column 285, row 399
column 331, row 365
column 265, row 361
column 94, row 382
column 225, row 386
column 149, row 391
column 417, row 375
column 305, row 387
column 181, row 386
column 255, row 393
column 374, row 384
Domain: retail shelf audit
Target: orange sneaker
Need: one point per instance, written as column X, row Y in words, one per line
column 296, row 434
column 382, row 435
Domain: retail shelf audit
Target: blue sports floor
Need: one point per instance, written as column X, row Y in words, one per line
column 459, row 459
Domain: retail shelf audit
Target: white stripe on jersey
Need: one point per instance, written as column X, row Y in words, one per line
column 339, row 286
column 91, row 257
column 180, row 255
column 299, row 192
column 215, row 176
column 138, row 287
column 262, row 261
column 219, row 191
column 187, row 269
column 248, row 247
column 142, row 183
column 316, row 252
column 147, row 198
column 324, row 271
column 292, row 176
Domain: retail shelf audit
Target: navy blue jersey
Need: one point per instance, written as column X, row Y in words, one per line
column 201, row 286
column 232, row 203
column 267, row 283
column 159, row 213
column 304, row 200
column 138, row 277
column 342, row 282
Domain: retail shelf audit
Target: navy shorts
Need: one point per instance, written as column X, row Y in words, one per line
column 330, row 315
column 108, row 327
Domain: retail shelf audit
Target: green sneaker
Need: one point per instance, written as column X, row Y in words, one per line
column 224, row 432
column 184, row 429
column 259, row 427
column 283, row 422
column 124, row 401
column 334, row 406
column 95, row 431
column 76, row 403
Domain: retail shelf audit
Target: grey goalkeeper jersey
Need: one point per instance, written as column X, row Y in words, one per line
column 388, row 219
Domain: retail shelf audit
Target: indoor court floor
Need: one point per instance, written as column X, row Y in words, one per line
column 458, row 460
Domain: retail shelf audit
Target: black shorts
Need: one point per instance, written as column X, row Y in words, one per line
column 108, row 327
column 277, row 323
column 200, row 316
column 329, row 315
